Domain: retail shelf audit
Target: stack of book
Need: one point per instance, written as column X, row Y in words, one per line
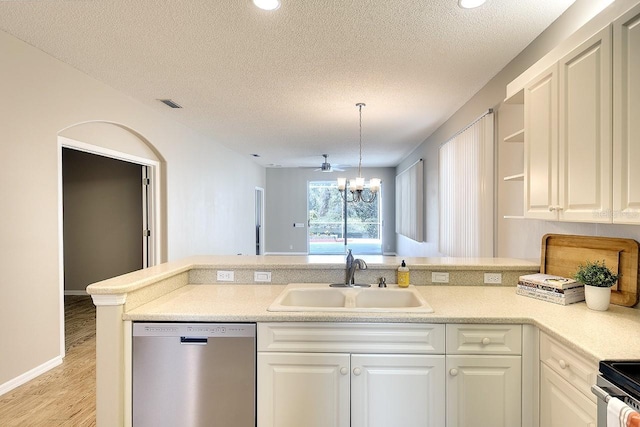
column 547, row 287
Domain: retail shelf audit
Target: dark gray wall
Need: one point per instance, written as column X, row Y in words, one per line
column 102, row 222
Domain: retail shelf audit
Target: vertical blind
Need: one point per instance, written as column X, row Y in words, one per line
column 466, row 191
column 409, row 205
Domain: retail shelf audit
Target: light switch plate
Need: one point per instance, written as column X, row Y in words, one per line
column 439, row 277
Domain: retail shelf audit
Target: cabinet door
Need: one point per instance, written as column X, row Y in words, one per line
column 541, row 146
column 303, row 389
column 484, row 391
column 626, row 111
column 584, row 144
column 397, row 390
column 562, row 405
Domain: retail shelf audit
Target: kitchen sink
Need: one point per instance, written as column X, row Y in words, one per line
column 321, row 297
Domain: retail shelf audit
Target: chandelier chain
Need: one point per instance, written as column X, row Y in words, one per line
column 360, row 105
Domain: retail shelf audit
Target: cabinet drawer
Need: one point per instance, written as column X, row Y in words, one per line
column 411, row 338
column 577, row 370
column 484, row 339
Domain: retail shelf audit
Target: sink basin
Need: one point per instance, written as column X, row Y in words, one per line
column 321, row 297
column 389, row 298
column 305, row 297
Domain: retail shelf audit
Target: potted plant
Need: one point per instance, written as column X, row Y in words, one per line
column 598, row 280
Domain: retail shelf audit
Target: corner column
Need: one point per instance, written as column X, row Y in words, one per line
column 110, row 367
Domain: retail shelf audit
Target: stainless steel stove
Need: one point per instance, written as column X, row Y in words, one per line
column 618, row 378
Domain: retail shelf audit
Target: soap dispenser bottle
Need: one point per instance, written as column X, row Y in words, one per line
column 403, row 275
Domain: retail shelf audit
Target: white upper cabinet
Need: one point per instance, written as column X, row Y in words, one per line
column 541, row 145
column 584, row 142
column 626, row 118
column 582, row 130
column 568, row 148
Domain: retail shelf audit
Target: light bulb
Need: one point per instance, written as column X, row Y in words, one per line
column 374, row 184
column 470, row 4
column 267, row 4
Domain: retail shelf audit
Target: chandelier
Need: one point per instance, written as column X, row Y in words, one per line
column 356, row 185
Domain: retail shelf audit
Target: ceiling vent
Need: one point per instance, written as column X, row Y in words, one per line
column 170, row 103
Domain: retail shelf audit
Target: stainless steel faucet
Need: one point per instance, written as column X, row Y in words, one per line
column 351, row 270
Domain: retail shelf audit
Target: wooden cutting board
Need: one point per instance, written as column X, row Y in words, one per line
column 561, row 254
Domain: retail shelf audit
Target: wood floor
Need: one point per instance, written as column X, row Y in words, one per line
column 66, row 395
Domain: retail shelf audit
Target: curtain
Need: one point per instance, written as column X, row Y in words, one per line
column 466, row 171
column 409, row 202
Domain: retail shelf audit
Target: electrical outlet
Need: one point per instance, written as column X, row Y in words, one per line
column 225, row 276
column 493, row 278
column 262, row 276
column 439, row 277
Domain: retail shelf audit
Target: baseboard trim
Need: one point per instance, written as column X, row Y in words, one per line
column 74, row 292
column 286, row 253
column 29, row 375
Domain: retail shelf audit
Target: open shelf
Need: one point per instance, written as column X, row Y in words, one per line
column 515, row 137
column 516, row 98
column 518, row 177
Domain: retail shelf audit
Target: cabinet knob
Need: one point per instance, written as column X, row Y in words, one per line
column 552, row 208
column 357, row 371
column 563, row 364
column 344, row 371
column 453, row 372
column 486, row 341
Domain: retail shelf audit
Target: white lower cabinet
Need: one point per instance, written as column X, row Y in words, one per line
column 303, row 389
column 565, row 386
column 397, row 390
column 342, row 390
column 561, row 405
column 484, row 375
column 350, row 375
column 382, row 375
column 483, row 391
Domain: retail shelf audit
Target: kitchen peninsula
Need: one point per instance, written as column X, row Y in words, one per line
column 188, row 290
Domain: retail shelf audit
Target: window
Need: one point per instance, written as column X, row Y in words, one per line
column 328, row 222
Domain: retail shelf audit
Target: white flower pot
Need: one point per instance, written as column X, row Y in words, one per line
column 597, row 298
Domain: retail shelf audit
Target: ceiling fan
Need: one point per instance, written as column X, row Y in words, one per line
column 326, row 166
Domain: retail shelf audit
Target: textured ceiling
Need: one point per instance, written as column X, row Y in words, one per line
column 284, row 84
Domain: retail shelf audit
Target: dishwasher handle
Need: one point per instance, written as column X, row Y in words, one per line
column 193, row 340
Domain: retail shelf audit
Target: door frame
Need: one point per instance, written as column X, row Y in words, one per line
column 259, row 222
column 151, row 216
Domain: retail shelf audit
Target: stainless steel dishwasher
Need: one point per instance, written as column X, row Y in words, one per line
column 194, row 374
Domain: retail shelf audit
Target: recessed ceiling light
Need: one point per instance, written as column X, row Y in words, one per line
column 267, row 4
column 470, row 4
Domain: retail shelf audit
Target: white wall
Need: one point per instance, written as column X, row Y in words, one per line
column 208, row 191
column 515, row 238
column 286, row 203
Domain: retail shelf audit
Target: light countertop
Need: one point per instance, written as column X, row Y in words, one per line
column 613, row 334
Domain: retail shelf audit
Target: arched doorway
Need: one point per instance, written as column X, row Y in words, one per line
column 105, row 159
